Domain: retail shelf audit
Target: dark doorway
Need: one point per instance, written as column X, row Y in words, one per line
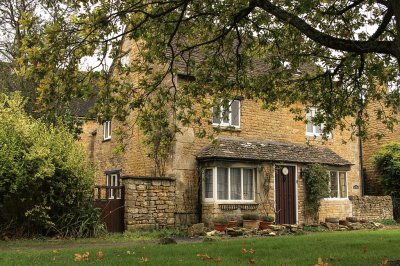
column 285, row 194
column 110, row 200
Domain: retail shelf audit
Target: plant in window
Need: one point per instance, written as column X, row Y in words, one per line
column 316, row 187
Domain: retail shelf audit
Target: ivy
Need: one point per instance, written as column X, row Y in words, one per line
column 387, row 163
column 316, row 186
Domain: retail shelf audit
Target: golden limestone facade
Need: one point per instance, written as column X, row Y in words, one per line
column 256, row 164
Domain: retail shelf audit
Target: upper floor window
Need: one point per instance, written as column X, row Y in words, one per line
column 125, row 60
column 313, row 129
column 106, row 130
column 338, row 184
column 227, row 115
column 229, row 184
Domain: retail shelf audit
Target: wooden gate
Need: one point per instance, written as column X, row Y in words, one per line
column 285, row 194
column 110, row 199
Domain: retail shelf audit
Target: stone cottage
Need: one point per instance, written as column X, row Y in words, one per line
column 256, row 164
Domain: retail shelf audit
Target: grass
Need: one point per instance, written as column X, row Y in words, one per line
column 339, row 248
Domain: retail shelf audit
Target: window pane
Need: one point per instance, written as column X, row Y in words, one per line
column 248, row 193
column 208, row 183
column 235, row 107
column 236, row 184
column 318, row 129
column 216, row 116
column 310, row 128
column 343, row 184
column 225, row 116
column 334, row 185
column 222, row 183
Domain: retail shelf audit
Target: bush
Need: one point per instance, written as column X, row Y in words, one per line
column 220, row 220
column 387, row 163
column 267, row 218
column 250, row 216
column 45, row 181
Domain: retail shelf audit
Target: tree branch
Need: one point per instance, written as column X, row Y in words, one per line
column 371, row 46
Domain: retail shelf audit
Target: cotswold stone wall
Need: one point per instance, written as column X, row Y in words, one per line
column 149, row 202
column 372, row 207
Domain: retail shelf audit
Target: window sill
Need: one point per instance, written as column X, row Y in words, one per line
column 241, row 206
column 336, row 199
column 106, row 140
column 227, row 128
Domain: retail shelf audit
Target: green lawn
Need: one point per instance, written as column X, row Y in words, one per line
column 342, row 248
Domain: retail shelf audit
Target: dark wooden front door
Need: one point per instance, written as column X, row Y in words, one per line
column 285, row 194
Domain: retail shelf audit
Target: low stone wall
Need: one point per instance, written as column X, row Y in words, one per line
column 339, row 208
column 149, row 202
column 372, row 207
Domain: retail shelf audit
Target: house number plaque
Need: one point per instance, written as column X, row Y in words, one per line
column 285, row 171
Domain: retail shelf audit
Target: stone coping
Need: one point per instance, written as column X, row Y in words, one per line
column 165, row 178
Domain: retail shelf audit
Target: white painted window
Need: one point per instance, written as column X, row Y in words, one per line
column 227, row 116
column 229, row 184
column 313, row 129
column 112, row 182
column 106, row 130
column 337, row 184
column 125, row 60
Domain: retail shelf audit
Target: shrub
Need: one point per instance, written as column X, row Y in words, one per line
column 220, row 220
column 387, row 163
column 45, row 181
column 267, row 218
column 316, row 186
column 250, row 216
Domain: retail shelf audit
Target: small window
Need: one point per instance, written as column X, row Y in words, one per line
column 227, row 115
column 208, row 183
column 125, row 60
column 112, row 183
column 313, row 129
column 338, row 184
column 107, row 130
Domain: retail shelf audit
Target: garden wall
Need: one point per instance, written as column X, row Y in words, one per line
column 149, row 202
column 372, row 207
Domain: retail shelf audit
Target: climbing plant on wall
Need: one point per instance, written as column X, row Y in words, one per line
column 316, row 188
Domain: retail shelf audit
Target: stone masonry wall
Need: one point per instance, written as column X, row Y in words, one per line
column 149, row 202
column 372, row 207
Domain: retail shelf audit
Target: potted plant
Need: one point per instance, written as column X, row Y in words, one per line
column 220, row 223
column 232, row 223
column 250, row 221
column 266, row 221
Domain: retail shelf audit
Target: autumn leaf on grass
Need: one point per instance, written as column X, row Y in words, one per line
column 244, row 251
column 85, row 255
column 55, row 251
column 204, row 256
column 252, row 261
column 365, row 249
column 78, row 257
column 321, row 262
column 218, row 260
column 144, row 259
column 384, row 262
column 252, row 251
column 100, row 255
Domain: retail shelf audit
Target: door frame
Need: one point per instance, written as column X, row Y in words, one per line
column 295, row 188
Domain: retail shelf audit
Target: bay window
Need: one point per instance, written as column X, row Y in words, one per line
column 229, row 184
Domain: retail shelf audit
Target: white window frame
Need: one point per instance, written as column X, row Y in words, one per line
column 113, row 181
column 215, row 185
column 221, row 115
column 338, row 185
column 125, row 60
column 309, row 116
column 106, row 130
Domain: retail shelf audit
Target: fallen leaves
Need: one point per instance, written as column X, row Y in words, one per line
column 365, row 249
column 252, row 261
column 204, row 256
column 84, row 256
column 384, row 262
column 144, row 259
column 321, row 262
column 100, row 255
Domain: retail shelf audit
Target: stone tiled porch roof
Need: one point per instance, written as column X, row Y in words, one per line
column 236, row 149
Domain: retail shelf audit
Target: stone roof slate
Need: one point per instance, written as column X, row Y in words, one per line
column 235, row 149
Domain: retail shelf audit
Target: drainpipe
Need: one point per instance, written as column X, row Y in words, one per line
column 360, row 147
